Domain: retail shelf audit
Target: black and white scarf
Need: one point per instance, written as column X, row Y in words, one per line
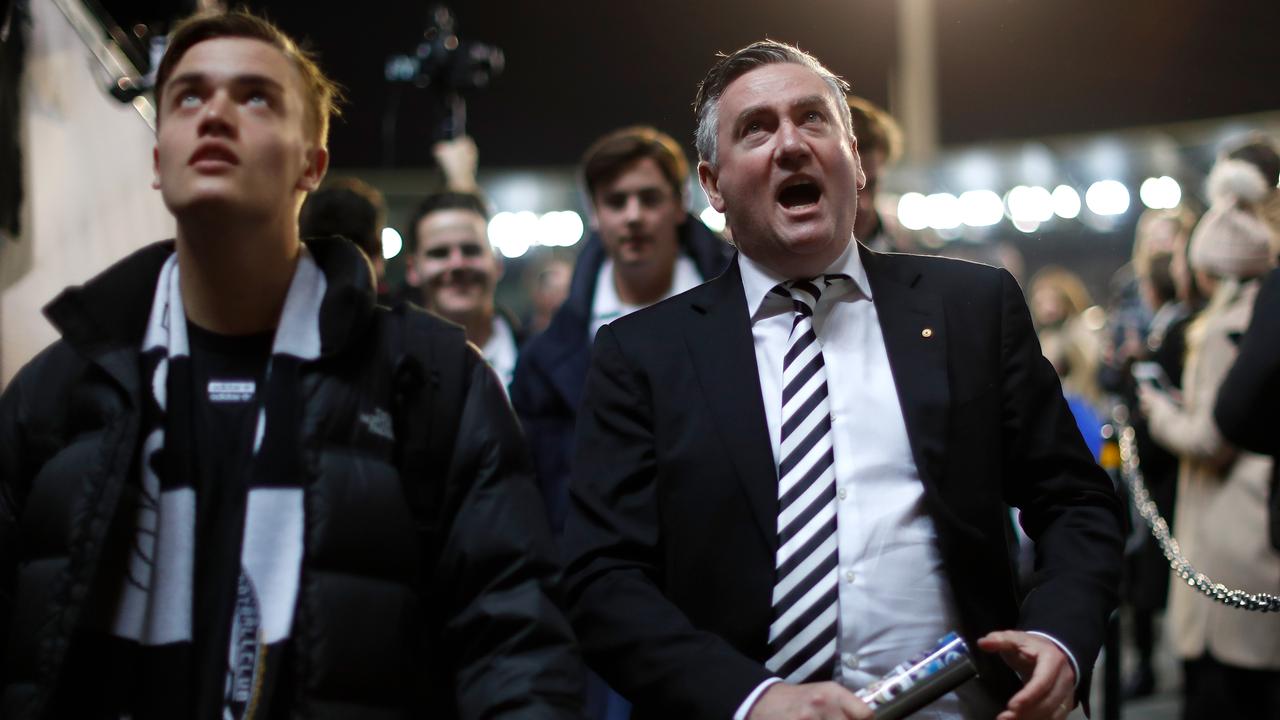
column 155, row 609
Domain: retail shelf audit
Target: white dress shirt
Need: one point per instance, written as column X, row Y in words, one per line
column 500, row 351
column 606, row 306
column 894, row 600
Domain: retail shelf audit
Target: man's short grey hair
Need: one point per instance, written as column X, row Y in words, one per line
column 738, row 63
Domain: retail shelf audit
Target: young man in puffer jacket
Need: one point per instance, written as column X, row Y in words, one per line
column 236, row 488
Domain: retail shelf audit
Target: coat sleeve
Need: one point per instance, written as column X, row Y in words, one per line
column 513, row 652
column 548, row 426
column 640, row 642
column 1069, row 505
column 11, row 493
column 1248, row 406
column 1188, row 430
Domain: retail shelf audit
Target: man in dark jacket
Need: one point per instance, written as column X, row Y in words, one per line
column 644, row 247
column 220, row 496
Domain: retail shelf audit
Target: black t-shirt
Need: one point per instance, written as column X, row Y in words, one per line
column 227, row 377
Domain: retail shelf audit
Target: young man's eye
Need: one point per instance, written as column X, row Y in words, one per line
column 188, row 99
column 437, row 253
column 651, row 198
column 471, row 250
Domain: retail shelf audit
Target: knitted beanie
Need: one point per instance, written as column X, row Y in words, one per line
column 1231, row 239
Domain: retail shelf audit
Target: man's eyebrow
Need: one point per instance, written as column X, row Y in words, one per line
column 247, row 79
column 806, row 101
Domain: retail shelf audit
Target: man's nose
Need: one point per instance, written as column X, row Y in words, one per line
column 216, row 116
column 632, row 211
column 790, row 146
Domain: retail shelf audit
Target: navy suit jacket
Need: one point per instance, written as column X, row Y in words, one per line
column 670, row 537
column 552, row 371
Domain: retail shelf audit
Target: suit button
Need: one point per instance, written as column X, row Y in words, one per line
column 849, row 576
column 851, row 661
column 842, row 493
column 926, row 333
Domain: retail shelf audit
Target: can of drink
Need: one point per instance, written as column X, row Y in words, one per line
column 921, row 680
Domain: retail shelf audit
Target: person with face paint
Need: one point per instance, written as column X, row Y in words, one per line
column 457, row 271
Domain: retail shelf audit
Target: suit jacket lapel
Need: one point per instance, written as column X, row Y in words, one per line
column 724, row 359
column 914, row 326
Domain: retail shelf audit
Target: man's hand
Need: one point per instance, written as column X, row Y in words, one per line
column 1049, row 682
column 811, row 701
column 458, row 158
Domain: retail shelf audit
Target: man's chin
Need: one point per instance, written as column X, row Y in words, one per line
column 206, row 204
column 457, row 306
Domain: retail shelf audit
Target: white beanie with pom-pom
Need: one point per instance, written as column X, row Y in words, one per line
column 1231, row 240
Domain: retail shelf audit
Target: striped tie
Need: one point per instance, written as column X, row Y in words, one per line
column 802, row 636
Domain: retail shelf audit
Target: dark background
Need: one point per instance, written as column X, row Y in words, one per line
column 577, row 68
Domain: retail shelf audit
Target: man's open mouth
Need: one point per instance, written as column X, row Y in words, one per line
column 799, row 194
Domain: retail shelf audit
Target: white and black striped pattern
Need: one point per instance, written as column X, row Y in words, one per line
column 154, row 610
column 802, row 636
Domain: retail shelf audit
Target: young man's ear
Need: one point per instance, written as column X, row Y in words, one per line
column 709, row 178
column 155, row 167
column 317, row 158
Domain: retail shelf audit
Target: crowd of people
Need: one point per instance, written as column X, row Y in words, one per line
column 1163, row 349
column 735, row 477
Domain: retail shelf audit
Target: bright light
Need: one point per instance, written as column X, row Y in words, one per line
column 1160, row 193
column 392, row 243
column 1029, row 205
column 1066, row 202
column 943, row 211
column 1027, row 226
column 981, row 208
column 712, row 219
column 913, row 211
column 559, row 228
column 1107, row 197
column 513, row 233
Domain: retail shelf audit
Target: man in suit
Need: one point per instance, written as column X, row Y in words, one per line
column 798, row 472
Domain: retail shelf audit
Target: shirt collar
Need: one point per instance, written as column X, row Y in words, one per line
column 758, row 280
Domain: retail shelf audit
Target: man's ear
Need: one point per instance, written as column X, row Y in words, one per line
column 860, row 177
column 155, row 167
column 709, row 178
column 317, row 165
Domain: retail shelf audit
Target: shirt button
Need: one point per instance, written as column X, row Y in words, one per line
column 849, row 576
column 851, row 662
column 842, row 493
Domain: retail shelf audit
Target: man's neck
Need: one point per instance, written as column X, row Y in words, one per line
column 866, row 225
column 478, row 324
column 642, row 286
column 235, row 278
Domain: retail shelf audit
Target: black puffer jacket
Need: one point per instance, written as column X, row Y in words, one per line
column 380, row 630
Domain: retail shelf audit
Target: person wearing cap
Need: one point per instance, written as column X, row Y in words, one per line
column 1231, row 658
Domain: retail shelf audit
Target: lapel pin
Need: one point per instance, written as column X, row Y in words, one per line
column 926, row 333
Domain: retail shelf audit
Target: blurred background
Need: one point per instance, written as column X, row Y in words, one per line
column 1035, row 133
column 1047, row 126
